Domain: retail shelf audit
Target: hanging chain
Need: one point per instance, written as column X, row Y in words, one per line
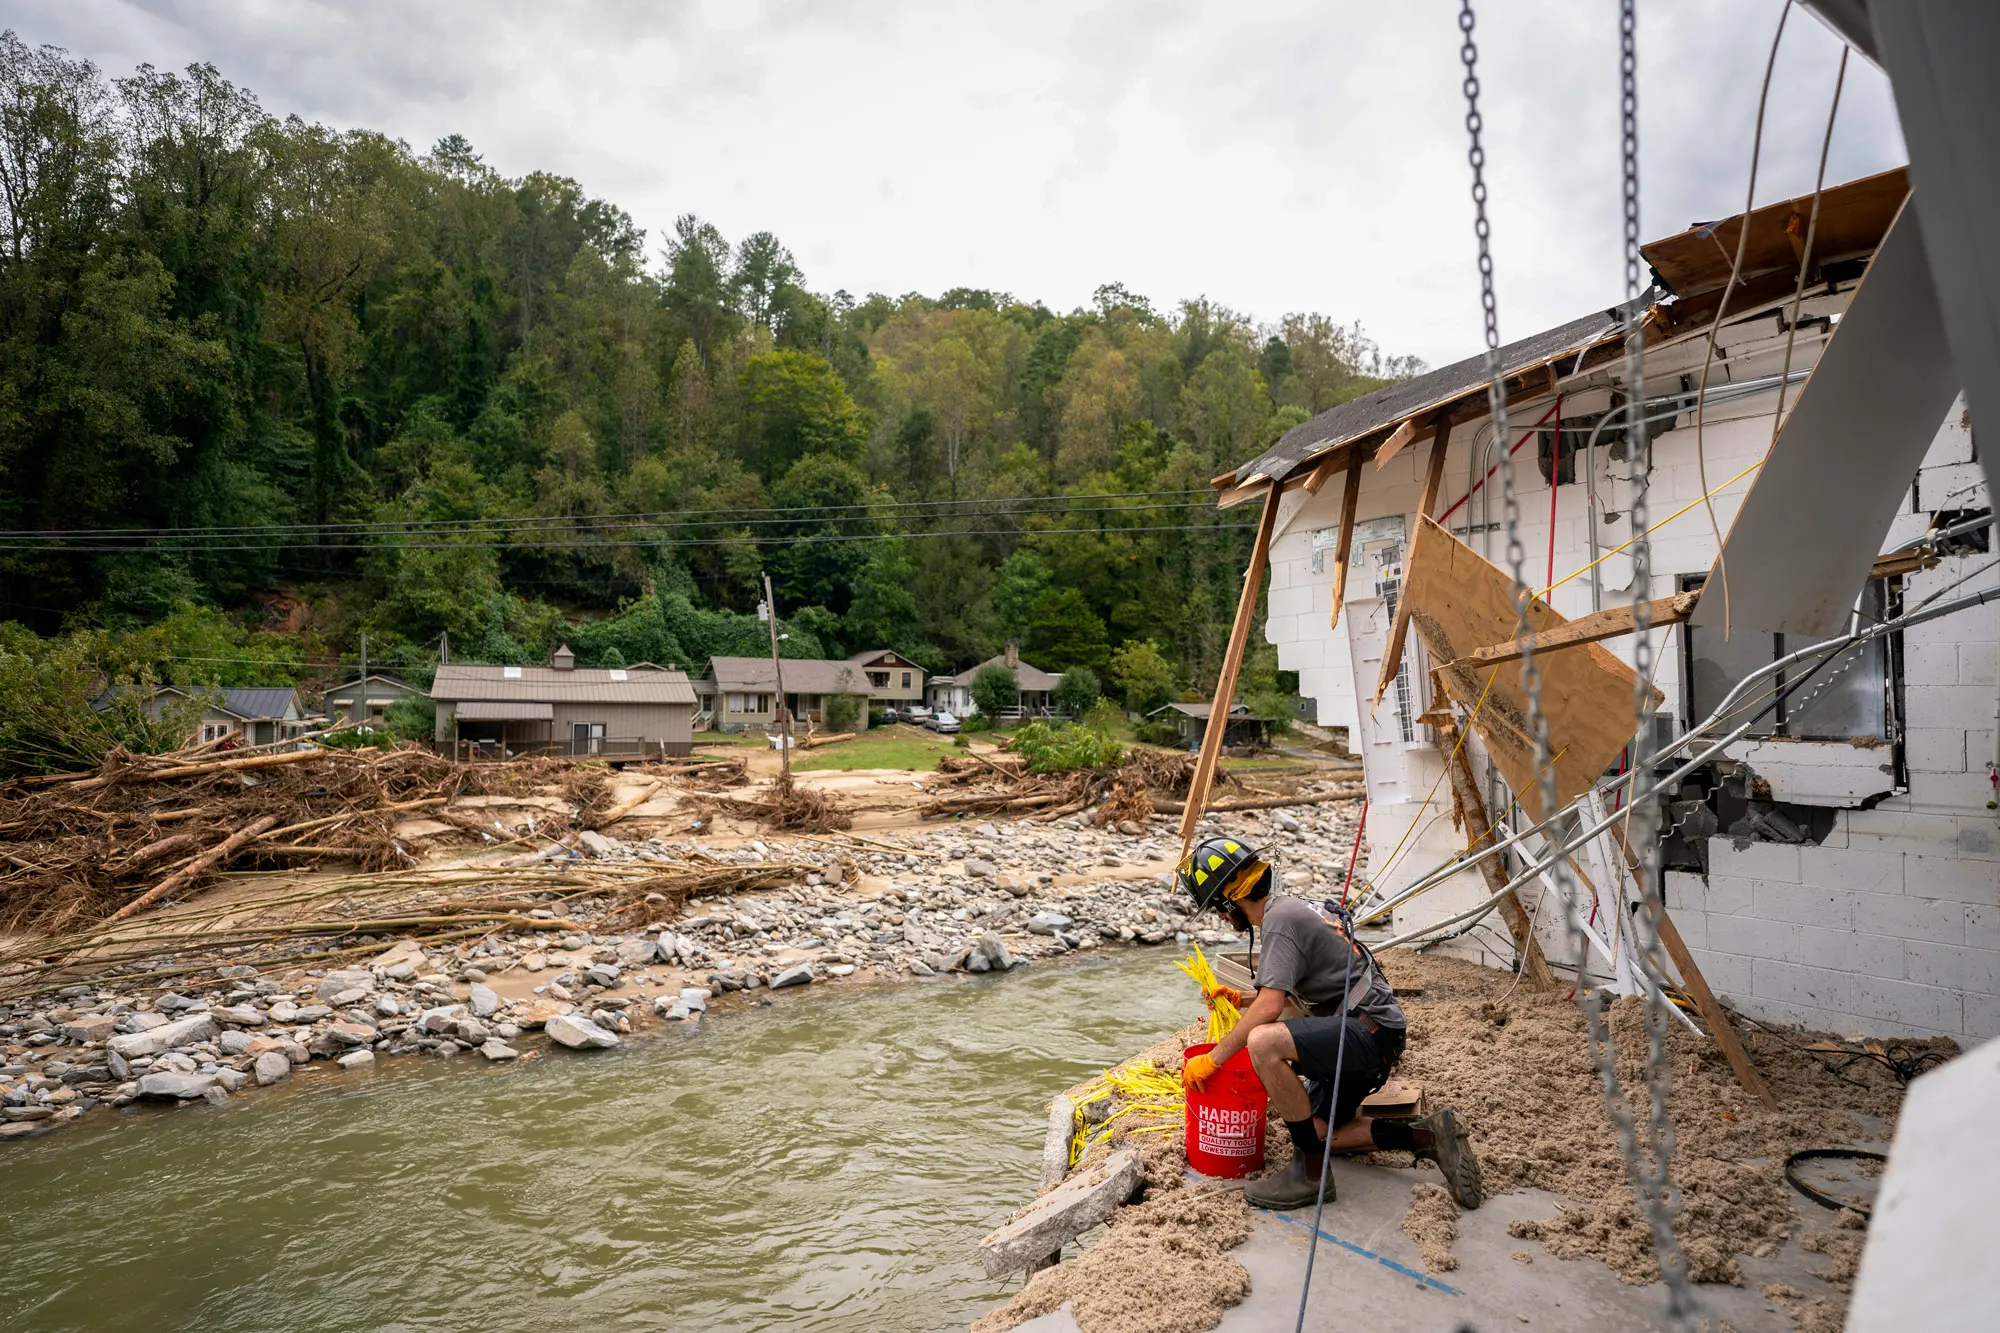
column 1651, row 1184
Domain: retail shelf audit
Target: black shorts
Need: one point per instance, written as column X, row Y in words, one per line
column 1372, row 1051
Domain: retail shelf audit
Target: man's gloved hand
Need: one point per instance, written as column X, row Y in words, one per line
column 1197, row 1071
column 1229, row 993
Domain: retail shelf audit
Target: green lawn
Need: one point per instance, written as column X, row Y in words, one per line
column 751, row 739
column 884, row 747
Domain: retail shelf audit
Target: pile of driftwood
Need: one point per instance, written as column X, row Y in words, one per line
column 139, row 830
column 1147, row 783
column 326, row 918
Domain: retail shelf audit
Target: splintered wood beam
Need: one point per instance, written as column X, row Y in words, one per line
column 1232, row 662
column 1598, row 625
column 1478, row 828
column 1434, row 477
column 1394, row 444
column 1712, row 1012
column 1323, row 471
column 1349, row 499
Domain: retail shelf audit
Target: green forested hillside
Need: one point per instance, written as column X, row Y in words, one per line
column 266, row 384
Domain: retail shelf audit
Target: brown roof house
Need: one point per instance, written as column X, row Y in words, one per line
column 741, row 693
column 638, row 712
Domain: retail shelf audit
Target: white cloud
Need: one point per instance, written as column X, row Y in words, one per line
column 1273, row 155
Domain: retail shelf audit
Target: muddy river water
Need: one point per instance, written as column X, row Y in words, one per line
column 825, row 1163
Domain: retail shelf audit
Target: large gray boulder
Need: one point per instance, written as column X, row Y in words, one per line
column 578, row 1032
column 484, row 1000
column 175, row 1087
column 271, row 1067
column 182, row 1032
column 802, row 975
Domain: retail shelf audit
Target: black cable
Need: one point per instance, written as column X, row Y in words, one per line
column 1819, row 1196
column 1333, row 1108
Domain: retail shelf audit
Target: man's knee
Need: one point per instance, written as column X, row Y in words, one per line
column 1272, row 1044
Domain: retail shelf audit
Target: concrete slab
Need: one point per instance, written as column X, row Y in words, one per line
column 1368, row 1274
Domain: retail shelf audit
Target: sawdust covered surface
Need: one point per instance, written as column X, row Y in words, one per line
column 1432, row 1223
column 1521, row 1077
column 1162, row 1267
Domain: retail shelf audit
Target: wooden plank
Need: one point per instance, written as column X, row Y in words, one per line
column 1458, row 599
column 1323, row 471
column 1593, row 628
column 1232, row 663
column 1394, row 445
column 1063, row 1214
column 1349, row 500
column 1396, row 1099
column 1399, row 628
column 1712, row 1012
column 1478, row 828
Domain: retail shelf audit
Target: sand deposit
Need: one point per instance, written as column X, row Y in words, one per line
column 1517, row 1068
column 1432, row 1223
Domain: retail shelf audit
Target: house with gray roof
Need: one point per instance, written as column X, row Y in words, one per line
column 640, row 712
column 953, row 694
column 254, row 714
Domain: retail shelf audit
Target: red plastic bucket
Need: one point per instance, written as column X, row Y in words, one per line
column 1225, row 1118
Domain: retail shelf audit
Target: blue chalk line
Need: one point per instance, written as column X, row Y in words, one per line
column 1383, row 1260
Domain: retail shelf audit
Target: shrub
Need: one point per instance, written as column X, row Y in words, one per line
column 876, row 717
column 840, row 712
column 977, row 722
column 412, row 719
column 995, row 689
column 1064, row 747
column 1076, row 691
column 1159, row 733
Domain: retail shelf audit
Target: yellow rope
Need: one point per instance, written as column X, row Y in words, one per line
column 1654, row 528
column 1222, row 1014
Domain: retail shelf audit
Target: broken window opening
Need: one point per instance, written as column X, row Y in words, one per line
column 1853, row 697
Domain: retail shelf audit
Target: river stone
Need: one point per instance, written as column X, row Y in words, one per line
column 918, row 967
column 801, row 975
column 170, row 1003
column 537, row 1013
column 336, row 984
column 441, row 1018
column 496, row 1049
column 139, row 1021
column 978, row 962
column 132, row 1045
column 351, row 1034
column 979, row 869
column 356, row 1059
column 471, row 1031
column 402, row 953
column 215, row 1095
column 637, row 953
column 24, row 1114
column 484, row 1000
column 175, row 1087
column 233, row 1042
column 231, row 1079
column 577, row 1032
column 284, row 1011
column 238, row 1015
column 95, row 1027
column 271, row 1067
column 994, row 950
column 312, row 1013
column 1048, row 923
column 117, row 1064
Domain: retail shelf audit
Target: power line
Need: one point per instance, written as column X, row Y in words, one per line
column 661, row 543
column 905, row 509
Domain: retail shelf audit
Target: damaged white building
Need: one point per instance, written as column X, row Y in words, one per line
column 1839, row 867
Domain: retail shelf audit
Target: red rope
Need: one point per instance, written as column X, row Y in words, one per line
column 1496, row 467
column 1355, row 855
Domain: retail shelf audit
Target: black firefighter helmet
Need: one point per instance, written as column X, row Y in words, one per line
column 1219, row 873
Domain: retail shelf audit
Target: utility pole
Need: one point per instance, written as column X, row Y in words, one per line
column 778, row 670
column 360, row 705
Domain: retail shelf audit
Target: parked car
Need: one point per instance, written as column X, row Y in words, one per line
column 917, row 715
column 891, row 714
column 943, row 723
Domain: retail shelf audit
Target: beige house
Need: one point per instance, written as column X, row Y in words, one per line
column 619, row 712
column 366, row 700
column 893, row 680
column 741, row 693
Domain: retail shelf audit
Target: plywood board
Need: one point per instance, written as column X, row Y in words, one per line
column 1814, row 519
column 1459, row 603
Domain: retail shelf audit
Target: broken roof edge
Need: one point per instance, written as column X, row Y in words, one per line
column 1531, row 365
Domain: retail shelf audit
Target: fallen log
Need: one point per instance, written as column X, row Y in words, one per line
column 187, row 873
column 813, row 742
column 154, row 851
column 137, row 773
column 626, row 806
column 1259, row 803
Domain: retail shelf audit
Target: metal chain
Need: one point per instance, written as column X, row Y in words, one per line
column 1651, row 1185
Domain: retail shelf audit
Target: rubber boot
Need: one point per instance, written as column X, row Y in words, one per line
column 1452, row 1152
column 1297, row 1186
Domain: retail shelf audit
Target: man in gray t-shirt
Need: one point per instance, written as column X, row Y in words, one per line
column 1317, row 1069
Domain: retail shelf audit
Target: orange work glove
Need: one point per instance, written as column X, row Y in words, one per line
column 1229, row 993
column 1197, row 1071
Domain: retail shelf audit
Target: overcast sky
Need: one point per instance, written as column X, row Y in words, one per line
column 1274, row 156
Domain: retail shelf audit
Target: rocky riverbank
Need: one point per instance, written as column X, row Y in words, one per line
column 964, row 897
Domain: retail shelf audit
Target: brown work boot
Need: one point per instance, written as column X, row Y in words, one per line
column 1452, row 1152
column 1294, row 1187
